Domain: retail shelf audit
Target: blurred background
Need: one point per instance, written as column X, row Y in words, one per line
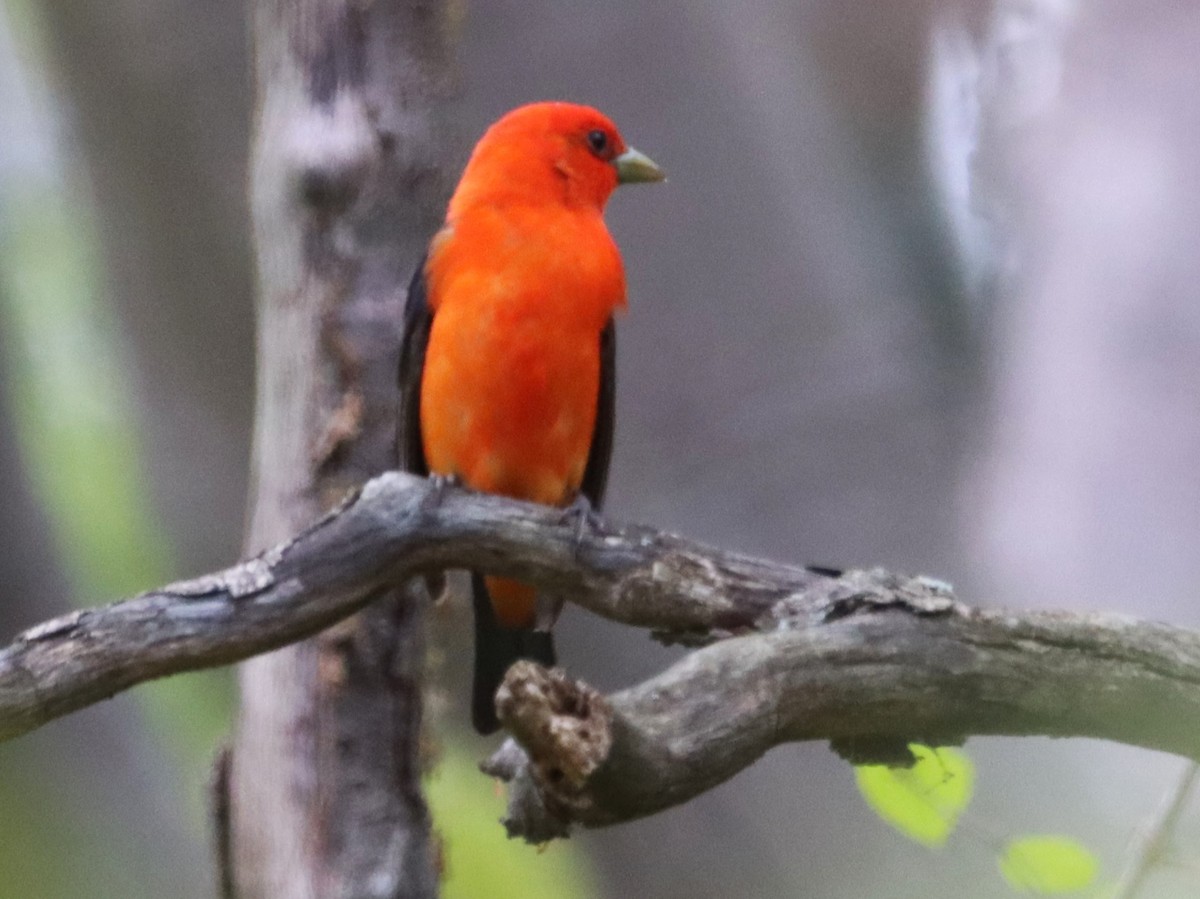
column 921, row 292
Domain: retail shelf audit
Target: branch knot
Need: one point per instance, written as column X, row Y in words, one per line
column 565, row 727
column 875, row 590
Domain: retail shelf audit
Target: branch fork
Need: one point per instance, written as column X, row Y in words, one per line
column 787, row 653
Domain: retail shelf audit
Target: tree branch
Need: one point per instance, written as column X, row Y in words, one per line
column 349, row 176
column 1151, row 846
column 883, row 673
column 861, row 657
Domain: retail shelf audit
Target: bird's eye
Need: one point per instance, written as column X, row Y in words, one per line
column 598, row 141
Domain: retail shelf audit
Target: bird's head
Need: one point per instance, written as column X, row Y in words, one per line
column 551, row 152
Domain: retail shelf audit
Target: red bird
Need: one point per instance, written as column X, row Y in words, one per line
column 507, row 362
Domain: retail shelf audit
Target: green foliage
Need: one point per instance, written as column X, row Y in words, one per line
column 66, row 377
column 54, row 843
column 1047, row 865
column 75, row 417
column 923, row 802
column 79, row 431
column 479, row 860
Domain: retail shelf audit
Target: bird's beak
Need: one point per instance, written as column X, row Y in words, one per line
column 633, row 167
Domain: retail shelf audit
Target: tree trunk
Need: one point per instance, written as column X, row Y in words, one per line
column 347, row 185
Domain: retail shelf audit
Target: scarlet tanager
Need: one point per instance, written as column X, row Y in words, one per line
column 507, row 361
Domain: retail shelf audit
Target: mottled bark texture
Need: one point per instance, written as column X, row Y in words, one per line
column 868, row 679
column 865, row 659
column 347, row 185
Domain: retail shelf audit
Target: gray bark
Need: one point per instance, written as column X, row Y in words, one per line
column 347, row 186
column 883, row 678
column 865, row 659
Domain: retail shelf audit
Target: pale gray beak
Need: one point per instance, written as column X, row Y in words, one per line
column 633, row 167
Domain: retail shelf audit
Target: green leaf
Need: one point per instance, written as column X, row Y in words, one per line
column 925, row 801
column 1048, row 865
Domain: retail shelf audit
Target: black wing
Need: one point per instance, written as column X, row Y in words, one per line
column 410, row 449
column 595, row 475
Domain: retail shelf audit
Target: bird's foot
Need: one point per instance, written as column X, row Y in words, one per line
column 585, row 516
column 435, row 582
column 440, row 484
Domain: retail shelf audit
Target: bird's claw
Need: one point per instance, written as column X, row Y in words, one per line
column 585, row 517
column 435, row 581
column 440, row 484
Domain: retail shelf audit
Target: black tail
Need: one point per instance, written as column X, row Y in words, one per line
column 496, row 648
